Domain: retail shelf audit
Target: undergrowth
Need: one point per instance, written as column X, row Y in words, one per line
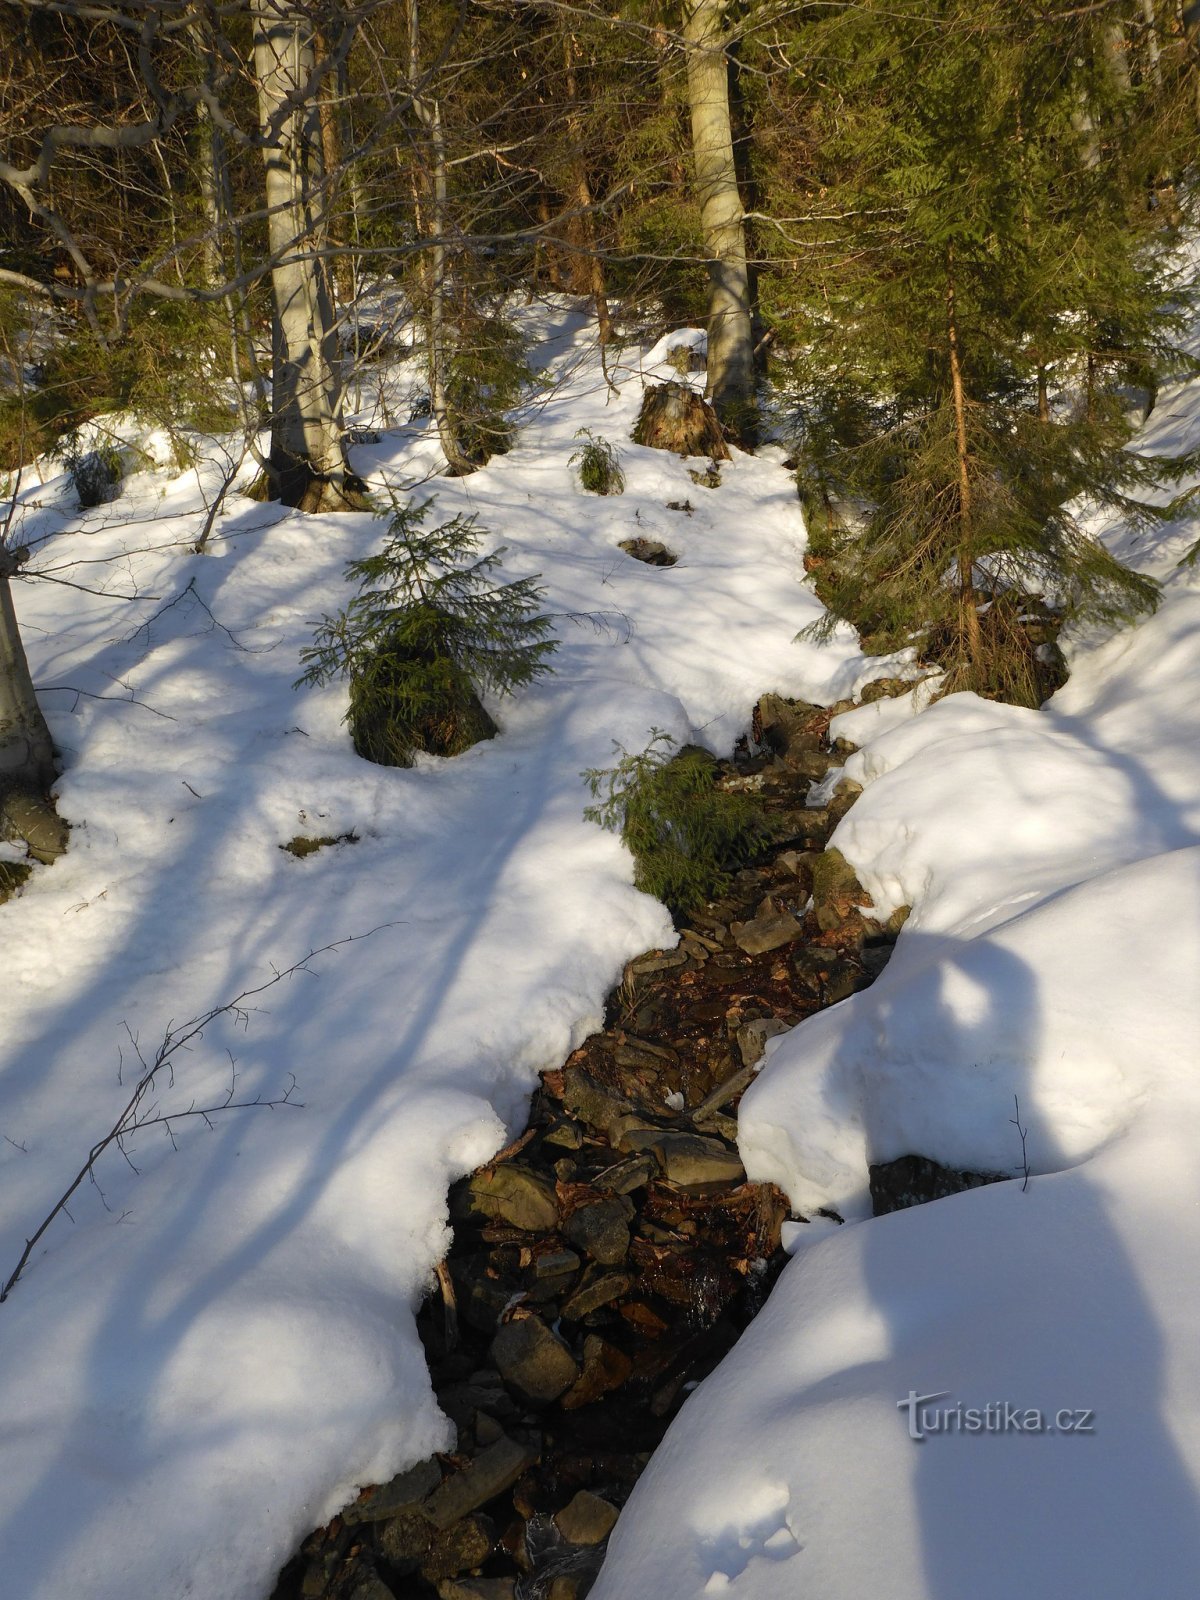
column 687, row 835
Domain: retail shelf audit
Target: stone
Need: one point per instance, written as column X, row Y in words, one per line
column 482, row 1301
column 633, row 1173
column 605, row 1368
column 783, row 726
column 477, row 1588
column 556, row 1264
column 654, row 963
column 689, row 1160
column 752, row 1037
column 592, row 1102
column 844, row 796
column 400, row 1493
column 633, row 1052
column 460, row 1548
column 601, row 1230
column 493, row 1470
column 601, row 1291
column 371, row 1587
column 766, row 933
column 587, row 1519
column 652, row 551
column 812, row 764
column 514, row 1194
column 405, row 1539
column 915, row 1180
column 565, row 1136
column 533, row 1361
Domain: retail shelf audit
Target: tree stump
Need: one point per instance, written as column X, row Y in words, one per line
column 673, row 417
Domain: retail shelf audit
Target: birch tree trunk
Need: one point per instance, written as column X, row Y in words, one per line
column 307, row 462
column 730, row 336
column 26, row 750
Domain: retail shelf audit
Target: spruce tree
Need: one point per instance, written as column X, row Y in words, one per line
column 992, row 277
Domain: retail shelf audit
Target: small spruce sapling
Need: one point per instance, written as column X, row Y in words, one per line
column 686, row 835
column 599, row 470
column 428, row 629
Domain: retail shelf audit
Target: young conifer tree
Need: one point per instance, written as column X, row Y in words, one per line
column 992, row 278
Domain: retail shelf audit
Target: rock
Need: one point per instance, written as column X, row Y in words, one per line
column 477, row 1588
column 533, row 1361
column 688, row 1159
column 491, row 1472
column 565, row 1136
column 587, row 1519
column 674, row 417
column 556, row 1264
column 652, row 551
column 654, row 963
column 404, row 1540
column 836, row 890
column 812, row 764
column 482, row 1301
column 626, row 1176
column 885, row 689
column 897, row 920
column 785, row 726
column 371, row 1587
column 401, row 1493
column 514, row 1194
column 601, row 1291
column 605, row 1368
column 592, row 1102
column 633, row 1052
column 752, row 1038
column 914, row 1180
column 600, row 1230
column 844, row 796
column 459, row 1548
column 766, row 933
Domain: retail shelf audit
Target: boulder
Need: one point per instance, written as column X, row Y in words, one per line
column 587, row 1519
column 533, row 1361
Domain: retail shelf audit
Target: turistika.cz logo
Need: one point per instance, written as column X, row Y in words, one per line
column 999, row 1416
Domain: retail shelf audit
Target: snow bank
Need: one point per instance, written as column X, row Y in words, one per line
column 218, row 1347
column 1052, row 860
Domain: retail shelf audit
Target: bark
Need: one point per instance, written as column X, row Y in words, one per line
column 970, row 634
column 27, row 767
column 434, row 221
column 307, row 462
column 593, row 266
column 730, row 333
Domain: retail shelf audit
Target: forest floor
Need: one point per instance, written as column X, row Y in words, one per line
column 219, row 1349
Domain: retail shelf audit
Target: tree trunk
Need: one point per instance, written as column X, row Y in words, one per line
column 730, row 334
column 307, row 462
column 583, row 194
column 970, row 634
column 26, row 750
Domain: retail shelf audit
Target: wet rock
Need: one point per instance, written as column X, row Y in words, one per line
column 514, row 1194
column 459, row 1549
column 402, row 1493
column 591, row 1101
column 491, row 1472
column 482, row 1299
column 628, row 1176
column 752, row 1038
column 405, row 1540
column 915, row 1180
column 600, row 1230
column 533, row 1361
column 634, row 1053
column 556, row 1264
column 605, row 1368
column 766, row 933
column 477, row 1588
column 690, row 1160
column 600, row 1291
column 587, row 1519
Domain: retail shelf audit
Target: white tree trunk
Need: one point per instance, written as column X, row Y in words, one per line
column 307, row 460
column 730, row 337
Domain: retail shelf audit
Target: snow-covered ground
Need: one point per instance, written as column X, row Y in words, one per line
column 217, row 1347
column 1049, row 975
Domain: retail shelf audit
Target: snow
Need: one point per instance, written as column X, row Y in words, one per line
column 216, row 1350
column 1046, row 978
column 217, row 1347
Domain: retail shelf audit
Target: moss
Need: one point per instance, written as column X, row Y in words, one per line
column 307, row 845
column 13, row 874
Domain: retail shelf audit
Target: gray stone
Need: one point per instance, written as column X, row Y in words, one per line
column 752, row 1037
column 601, row 1291
column 493, row 1470
column 587, row 1519
column 600, row 1230
column 556, row 1264
column 516, row 1195
column 633, row 1173
column 651, row 965
column 404, row 1491
column 533, row 1361
column 766, row 933
column 565, row 1136
column 477, row 1588
column 592, row 1102
column 633, row 1052
column 405, row 1539
column 689, row 1160
column 465, row 1545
